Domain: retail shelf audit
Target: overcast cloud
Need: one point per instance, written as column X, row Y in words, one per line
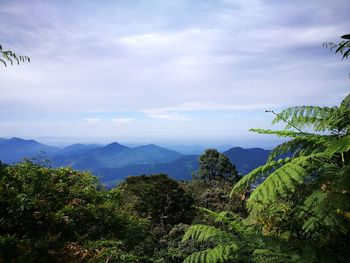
column 152, row 71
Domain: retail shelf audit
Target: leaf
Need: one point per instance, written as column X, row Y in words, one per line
column 345, row 36
column 3, row 61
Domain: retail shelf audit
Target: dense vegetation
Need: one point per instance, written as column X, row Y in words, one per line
column 50, row 215
column 295, row 208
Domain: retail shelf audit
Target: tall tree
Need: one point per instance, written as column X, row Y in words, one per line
column 214, row 165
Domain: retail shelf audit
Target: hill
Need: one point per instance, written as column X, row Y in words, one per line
column 114, row 162
column 179, row 169
column 115, row 155
column 182, row 168
column 77, row 148
column 247, row 159
column 2, row 140
column 15, row 149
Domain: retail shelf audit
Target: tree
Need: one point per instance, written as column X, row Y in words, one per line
column 158, row 197
column 10, row 56
column 214, row 165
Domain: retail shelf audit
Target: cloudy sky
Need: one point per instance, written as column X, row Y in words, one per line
column 180, row 71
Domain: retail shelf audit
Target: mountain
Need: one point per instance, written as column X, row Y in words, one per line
column 77, row 148
column 192, row 149
column 182, row 168
column 154, row 154
column 115, row 161
column 179, row 169
column 110, row 149
column 15, row 149
column 247, row 159
column 115, row 155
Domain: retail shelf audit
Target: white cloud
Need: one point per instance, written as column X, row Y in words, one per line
column 165, row 114
column 92, row 121
column 121, row 121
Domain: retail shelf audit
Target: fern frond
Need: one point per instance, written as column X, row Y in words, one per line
column 345, row 104
column 302, row 143
column 298, row 147
column 284, row 133
column 305, row 116
column 203, row 233
column 322, row 211
column 284, row 180
column 234, row 222
column 10, row 56
column 258, row 173
column 341, row 145
column 270, row 256
column 219, row 254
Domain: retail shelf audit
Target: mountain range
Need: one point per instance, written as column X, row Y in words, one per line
column 113, row 162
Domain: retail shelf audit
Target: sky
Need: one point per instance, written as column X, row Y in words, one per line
column 180, row 71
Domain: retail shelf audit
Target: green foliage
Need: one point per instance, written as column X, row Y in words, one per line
column 214, row 165
column 313, row 154
column 209, row 194
column 100, row 251
column 43, row 209
column 298, row 202
column 234, row 240
column 307, row 194
column 172, row 250
column 158, row 197
column 10, row 56
column 343, row 47
column 324, row 212
column 204, row 233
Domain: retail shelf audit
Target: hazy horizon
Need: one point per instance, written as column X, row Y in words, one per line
column 182, row 146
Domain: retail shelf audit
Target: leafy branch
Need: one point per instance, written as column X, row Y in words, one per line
column 342, row 47
column 10, row 56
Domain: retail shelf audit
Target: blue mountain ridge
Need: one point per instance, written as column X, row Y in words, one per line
column 15, row 149
column 114, row 162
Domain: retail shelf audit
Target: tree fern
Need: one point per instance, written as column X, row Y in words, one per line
column 204, row 233
column 299, row 206
column 221, row 253
column 246, row 246
column 324, row 210
column 319, row 166
column 305, row 116
column 311, row 152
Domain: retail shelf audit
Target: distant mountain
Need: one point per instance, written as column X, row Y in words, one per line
column 110, row 149
column 182, row 168
column 247, row 159
column 185, row 149
column 15, row 149
column 2, row 140
column 154, row 154
column 114, row 162
column 115, row 155
column 77, row 148
column 179, row 169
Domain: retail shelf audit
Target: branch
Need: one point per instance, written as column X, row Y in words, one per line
column 10, row 56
